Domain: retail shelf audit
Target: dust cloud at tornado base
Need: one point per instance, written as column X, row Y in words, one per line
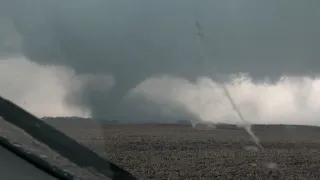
column 150, row 47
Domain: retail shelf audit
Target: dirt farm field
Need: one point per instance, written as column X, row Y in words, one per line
column 154, row 151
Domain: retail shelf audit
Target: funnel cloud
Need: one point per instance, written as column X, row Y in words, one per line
column 115, row 46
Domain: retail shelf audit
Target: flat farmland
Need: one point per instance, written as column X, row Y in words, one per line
column 167, row 151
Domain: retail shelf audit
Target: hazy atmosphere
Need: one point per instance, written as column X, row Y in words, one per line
column 81, row 58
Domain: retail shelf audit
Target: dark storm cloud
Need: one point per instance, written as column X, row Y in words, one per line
column 133, row 40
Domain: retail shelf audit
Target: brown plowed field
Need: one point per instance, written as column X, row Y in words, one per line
column 152, row 151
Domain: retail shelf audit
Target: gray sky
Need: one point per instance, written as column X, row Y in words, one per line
column 261, row 37
column 134, row 40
